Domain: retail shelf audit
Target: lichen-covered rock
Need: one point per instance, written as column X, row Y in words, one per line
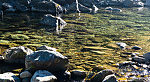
column 9, row 77
column 46, row 6
column 77, row 75
column 48, row 60
column 99, row 77
column 53, row 21
column 110, row 78
column 46, row 48
column 43, row 76
column 16, row 54
column 25, row 74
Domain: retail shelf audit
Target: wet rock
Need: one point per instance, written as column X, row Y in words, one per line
column 43, row 76
column 77, row 7
column 46, row 6
column 64, row 2
column 126, row 63
column 138, row 59
column 48, row 60
column 25, row 74
column 110, row 78
column 147, row 56
column 122, row 45
column 53, row 21
column 99, row 77
column 19, row 7
column 77, row 75
column 147, row 3
column 9, row 77
column 46, row 48
column 136, row 48
column 132, row 3
column 87, row 3
column 26, row 79
column 108, row 8
column 16, row 54
column 63, row 76
column 116, row 10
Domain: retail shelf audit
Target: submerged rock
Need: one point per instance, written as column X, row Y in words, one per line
column 136, row 48
column 43, row 76
column 9, row 77
column 122, row 45
column 16, row 54
column 48, row 60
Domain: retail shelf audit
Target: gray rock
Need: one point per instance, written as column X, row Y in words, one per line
column 46, row 48
column 16, row 54
column 133, row 3
column 122, row 45
column 53, row 21
column 46, row 6
column 9, row 77
column 77, row 7
column 26, row 79
column 138, row 59
column 110, row 78
column 43, row 76
column 147, row 56
column 25, row 74
column 77, row 75
column 45, row 59
column 99, row 77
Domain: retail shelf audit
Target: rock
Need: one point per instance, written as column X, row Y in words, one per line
column 26, row 79
column 138, row 59
column 64, row 2
column 46, row 6
column 147, row 56
column 46, row 48
column 16, row 54
column 99, row 77
column 87, row 3
column 77, row 7
column 25, row 74
column 53, row 21
column 108, row 8
column 19, row 7
column 122, row 45
column 77, row 75
column 8, row 7
column 9, row 77
column 116, row 10
column 43, row 76
column 48, row 60
column 63, row 76
column 136, row 48
column 110, row 78
column 132, row 3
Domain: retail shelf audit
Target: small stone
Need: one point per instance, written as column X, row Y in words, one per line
column 136, row 48
column 122, row 45
column 25, row 74
column 43, row 76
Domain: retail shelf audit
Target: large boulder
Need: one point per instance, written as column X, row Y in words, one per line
column 9, row 77
column 49, row 60
column 43, row 76
column 133, row 3
column 46, row 6
column 99, row 77
column 16, row 54
column 53, row 21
